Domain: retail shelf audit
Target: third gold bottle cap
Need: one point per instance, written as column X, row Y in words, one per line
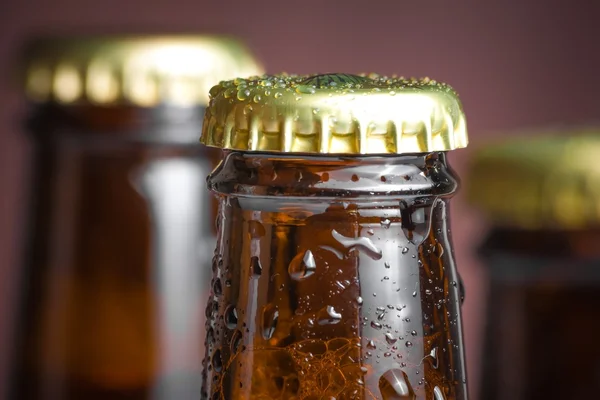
column 334, row 113
column 548, row 181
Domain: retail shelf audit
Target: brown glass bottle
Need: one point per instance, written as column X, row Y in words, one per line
column 543, row 260
column 113, row 279
column 333, row 273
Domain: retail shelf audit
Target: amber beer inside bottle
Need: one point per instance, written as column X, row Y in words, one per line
column 333, row 275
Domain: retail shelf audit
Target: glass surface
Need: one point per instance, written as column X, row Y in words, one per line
column 334, row 279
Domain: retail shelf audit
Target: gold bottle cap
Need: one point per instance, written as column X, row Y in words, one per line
column 334, row 113
column 545, row 182
column 133, row 70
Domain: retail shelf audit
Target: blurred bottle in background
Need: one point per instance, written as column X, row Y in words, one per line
column 121, row 230
column 542, row 198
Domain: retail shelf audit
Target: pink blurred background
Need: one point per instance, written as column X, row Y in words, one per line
column 516, row 64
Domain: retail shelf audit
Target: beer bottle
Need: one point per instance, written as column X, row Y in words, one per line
column 333, row 274
column 540, row 197
column 113, row 277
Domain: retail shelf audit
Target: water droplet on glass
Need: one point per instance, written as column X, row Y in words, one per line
column 394, row 385
column 433, row 355
column 387, row 264
column 385, row 223
column 217, row 287
column 370, row 232
column 405, row 250
column 256, row 229
column 376, row 325
column 438, row 394
column 359, row 300
column 255, row 267
column 231, row 317
column 371, row 345
column 360, row 242
column 257, row 98
column 217, row 361
column 236, row 340
column 277, row 95
column 390, row 338
column 270, row 316
column 408, row 344
column 328, row 316
column 302, row 266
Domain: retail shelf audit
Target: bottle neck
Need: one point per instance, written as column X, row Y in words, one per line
column 361, row 178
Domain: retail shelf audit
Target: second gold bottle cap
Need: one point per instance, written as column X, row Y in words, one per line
column 136, row 70
column 334, row 113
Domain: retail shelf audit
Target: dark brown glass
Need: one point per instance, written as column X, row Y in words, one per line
column 541, row 330
column 112, row 287
column 333, row 278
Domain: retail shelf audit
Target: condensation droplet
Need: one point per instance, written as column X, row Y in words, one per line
column 236, row 340
column 243, row 94
column 376, row 325
column 405, row 250
column 305, row 89
column 390, row 339
column 231, row 317
column 409, row 344
column 255, row 267
column 361, row 242
column 438, row 394
column 256, row 229
column 270, row 317
column 434, row 357
column 394, row 385
column 217, row 360
column 385, row 223
column 217, row 287
column 302, row 266
column 328, row 316
column 387, row 264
